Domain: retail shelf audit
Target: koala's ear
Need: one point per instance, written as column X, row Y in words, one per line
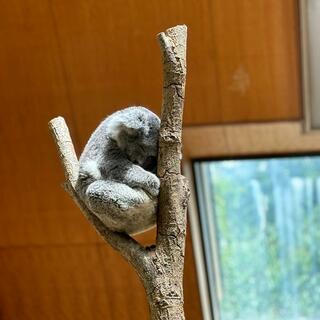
column 130, row 131
column 122, row 131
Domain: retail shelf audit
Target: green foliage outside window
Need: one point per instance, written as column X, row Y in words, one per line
column 267, row 220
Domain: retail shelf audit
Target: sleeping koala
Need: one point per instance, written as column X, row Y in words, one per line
column 117, row 178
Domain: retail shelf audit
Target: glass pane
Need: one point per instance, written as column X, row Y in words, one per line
column 261, row 226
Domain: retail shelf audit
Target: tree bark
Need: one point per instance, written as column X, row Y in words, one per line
column 160, row 267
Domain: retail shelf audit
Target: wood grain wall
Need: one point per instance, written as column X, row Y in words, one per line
column 84, row 59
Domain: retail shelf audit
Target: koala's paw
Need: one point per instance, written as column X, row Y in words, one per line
column 153, row 186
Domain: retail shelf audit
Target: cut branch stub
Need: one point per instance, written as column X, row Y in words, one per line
column 67, row 154
column 173, row 47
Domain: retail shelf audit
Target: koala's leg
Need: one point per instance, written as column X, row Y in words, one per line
column 103, row 195
column 115, row 204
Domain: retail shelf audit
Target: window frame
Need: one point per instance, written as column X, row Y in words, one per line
column 306, row 67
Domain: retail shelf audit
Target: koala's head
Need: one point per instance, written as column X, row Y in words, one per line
column 136, row 132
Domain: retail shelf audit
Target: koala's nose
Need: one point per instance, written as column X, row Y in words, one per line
column 150, row 164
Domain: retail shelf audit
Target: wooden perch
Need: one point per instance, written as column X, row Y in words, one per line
column 160, row 268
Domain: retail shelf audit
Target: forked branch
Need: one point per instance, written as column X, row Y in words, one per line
column 160, row 269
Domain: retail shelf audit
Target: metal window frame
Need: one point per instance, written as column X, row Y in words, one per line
column 306, row 67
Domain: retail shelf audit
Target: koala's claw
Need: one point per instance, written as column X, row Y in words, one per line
column 154, row 187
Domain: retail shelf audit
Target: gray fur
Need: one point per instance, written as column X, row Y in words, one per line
column 117, row 178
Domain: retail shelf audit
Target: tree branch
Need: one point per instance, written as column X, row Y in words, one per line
column 174, row 190
column 173, row 47
column 166, row 297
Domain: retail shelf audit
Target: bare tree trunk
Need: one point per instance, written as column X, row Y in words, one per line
column 160, row 267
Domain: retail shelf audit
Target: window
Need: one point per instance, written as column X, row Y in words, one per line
column 260, row 221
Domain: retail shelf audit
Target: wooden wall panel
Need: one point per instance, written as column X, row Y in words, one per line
column 32, row 90
column 84, row 59
column 242, row 57
column 80, row 282
column 71, row 282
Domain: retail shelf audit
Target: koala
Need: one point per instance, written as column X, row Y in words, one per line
column 117, row 174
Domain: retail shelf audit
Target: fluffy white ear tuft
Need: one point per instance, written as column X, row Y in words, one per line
column 122, row 132
column 115, row 128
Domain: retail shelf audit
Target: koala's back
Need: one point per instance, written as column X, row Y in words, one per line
column 96, row 145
